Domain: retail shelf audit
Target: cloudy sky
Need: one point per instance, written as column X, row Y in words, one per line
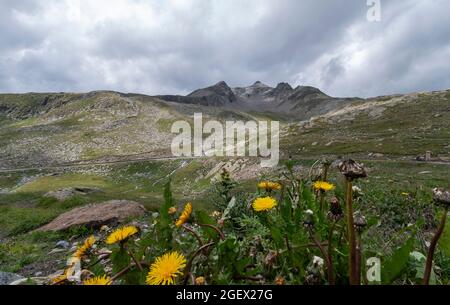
column 175, row 46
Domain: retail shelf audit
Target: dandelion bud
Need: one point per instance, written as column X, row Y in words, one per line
column 318, row 262
column 360, row 222
column 441, row 196
column 335, row 212
column 308, row 222
column 352, row 169
column 280, row 281
column 221, row 222
column 200, row 280
column 270, row 258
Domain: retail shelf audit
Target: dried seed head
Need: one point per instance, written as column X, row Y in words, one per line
column 352, row 169
column 441, row 196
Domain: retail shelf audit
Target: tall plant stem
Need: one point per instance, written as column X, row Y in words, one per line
column 136, row 261
column 354, row 277
column 330, row 273
column 222, row 236
column 358, row 256
column 187, row 270
column 322, row 199
column 330, row 244
column 194, row 234
column 429, row 263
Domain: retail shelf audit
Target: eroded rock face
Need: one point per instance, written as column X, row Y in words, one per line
column 96, row 215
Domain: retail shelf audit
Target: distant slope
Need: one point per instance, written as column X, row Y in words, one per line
column 38, row 129
column 53, row 128
column 398, row 125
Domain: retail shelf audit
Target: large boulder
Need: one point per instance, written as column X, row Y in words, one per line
column 96, row 215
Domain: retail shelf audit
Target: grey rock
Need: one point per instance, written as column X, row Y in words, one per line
column 62, row 244
column 7, row 278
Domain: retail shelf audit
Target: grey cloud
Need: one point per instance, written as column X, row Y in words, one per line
column 160, row 47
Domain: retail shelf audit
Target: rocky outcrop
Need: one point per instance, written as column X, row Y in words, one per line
column 96, row 215
column 66, row 193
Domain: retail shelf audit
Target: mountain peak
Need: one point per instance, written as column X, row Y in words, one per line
column 284, row 86
column 259, row 84
column 221, row 84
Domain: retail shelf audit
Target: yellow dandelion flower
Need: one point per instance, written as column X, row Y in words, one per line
column 87, row 245
column 270, row 186
column 166, row 268
column 405, row 194
column 323, row 186
column 98, row 280
column 184, row 215
column 264, row 204
column 121, row 234
column 172, row 210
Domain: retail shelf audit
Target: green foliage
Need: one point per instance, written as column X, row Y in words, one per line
column 224, row 187
column 444, row 242
column 164, row 232
column 395, row 264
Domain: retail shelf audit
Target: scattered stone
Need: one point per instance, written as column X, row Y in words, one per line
column 54, row 251
column 314, row 144
column 62, row 244
column 38, row 280
column 6, row 278
column 96, row 215
column 39, row 273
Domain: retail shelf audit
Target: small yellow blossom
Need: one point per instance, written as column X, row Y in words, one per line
column 264, row 204
column 200, row 280
column 279, row 280
column 172, row 210
column 270, row 186
column 323, row 186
